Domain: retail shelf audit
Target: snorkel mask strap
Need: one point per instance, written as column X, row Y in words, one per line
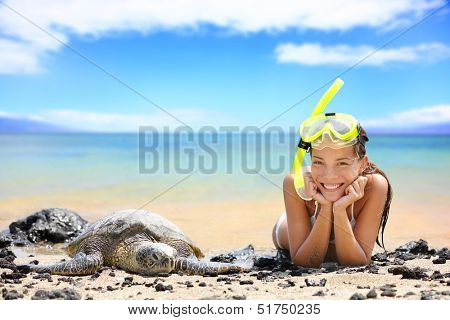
column 304, row 145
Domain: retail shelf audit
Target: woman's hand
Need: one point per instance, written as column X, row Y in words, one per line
column 313, row 191
column 353, row 193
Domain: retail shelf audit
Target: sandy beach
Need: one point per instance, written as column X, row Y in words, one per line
column 116, row 284
column 322, row 283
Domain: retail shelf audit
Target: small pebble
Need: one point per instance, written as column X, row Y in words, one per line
column 372, row 294
column 357, row 296
column 319, row 293
column 439, row 261
column 388, row 293
column 162, row 287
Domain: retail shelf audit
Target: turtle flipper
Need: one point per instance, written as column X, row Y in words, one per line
column 80, row 265
column 194, row 266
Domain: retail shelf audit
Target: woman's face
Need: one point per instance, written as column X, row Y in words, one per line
column 333, row 170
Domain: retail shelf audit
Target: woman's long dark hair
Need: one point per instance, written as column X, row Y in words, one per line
column 372, row 168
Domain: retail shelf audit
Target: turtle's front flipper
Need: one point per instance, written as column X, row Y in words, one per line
column 80, row 265
column 194, row 266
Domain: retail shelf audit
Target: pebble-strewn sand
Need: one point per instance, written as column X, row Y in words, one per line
column 113, row 284
column 117, row 284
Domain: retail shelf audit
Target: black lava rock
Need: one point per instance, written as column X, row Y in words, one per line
column 436, row 275
column 280, row 262
column 244, row 282
column 312, row 283
column 7, row 254
column 381, row 257
column 372, row 294
column 64, row 294
column 7, row 264
column 388, row 287
column 300, row 271
column 439, row 261
column 414, row 247
column 11, row 295
column 265, row 262
column 409, row 273
column 319, row 293
column 13, row 276
column 330, row 266
column 5, row 241
column 161, row 287
column 240, row 254
column 362, row 287
column 357, row 296
column 443, row 253
column 405, row 256
column 49, row 225
column 287, row 284
column 398, row 261
column 388, row 293
column 426, row 295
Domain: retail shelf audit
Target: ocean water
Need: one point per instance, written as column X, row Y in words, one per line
column 204, row 168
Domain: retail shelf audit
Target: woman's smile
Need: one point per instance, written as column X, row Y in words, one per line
column 331, row 187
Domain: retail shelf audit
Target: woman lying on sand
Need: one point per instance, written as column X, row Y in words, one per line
column 346, row 197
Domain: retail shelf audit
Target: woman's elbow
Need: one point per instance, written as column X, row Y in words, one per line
column 311, row 262
column 355, row 262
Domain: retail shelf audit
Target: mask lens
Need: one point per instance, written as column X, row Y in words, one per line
column 311, row 128
column 341, row 126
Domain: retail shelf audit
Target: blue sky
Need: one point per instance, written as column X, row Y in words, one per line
column 231, row 66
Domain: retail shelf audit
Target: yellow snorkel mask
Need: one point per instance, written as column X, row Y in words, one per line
column 333, row 130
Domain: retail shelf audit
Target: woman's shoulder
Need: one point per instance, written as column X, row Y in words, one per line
column 377, row 184
column 376, row 187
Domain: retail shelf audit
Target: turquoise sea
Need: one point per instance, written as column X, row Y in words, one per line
column 33, row 164
column 197, row 181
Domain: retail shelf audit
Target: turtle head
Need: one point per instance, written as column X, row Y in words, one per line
column 156, row 258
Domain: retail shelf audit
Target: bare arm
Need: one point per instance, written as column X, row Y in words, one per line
column 307, row 246
column 355, row 247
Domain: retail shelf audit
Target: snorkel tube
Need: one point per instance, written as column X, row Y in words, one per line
column 303, row 148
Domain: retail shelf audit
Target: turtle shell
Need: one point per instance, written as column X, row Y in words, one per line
column 121, row 224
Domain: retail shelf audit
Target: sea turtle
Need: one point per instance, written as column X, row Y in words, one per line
column 136, row 241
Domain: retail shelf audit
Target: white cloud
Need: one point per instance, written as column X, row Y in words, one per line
column 18, row 57
column 99, row 18
column 314, row 54
column 122, row 122
column 439, row 114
